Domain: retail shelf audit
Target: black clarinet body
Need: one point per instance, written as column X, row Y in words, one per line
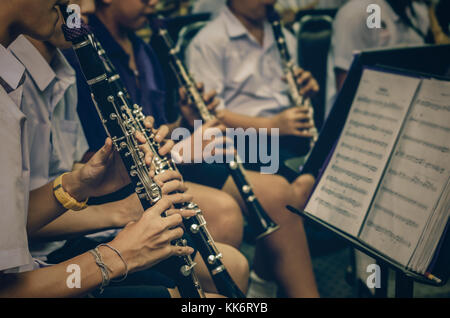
column 115, row 114
column 196, row 226
column 258, row 219
column 297, row 100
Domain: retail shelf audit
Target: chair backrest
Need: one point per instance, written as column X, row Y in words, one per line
column 187, row 34
column 314, row 39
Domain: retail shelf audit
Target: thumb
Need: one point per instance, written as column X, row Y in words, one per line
column 105, row 152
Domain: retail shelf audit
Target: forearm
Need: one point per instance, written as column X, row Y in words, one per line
column 234, row 120
column 77, row 223
column 44, row 207
column 53, row 281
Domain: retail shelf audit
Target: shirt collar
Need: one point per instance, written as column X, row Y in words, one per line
column 236, row 29
column 37, row 67
column 11, row 70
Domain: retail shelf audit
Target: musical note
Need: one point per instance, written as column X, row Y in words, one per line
column 351, row 177
column 415, row 178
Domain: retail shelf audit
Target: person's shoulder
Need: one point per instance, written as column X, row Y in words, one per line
column 212, row 35
column 352, row 16
column 354, row 9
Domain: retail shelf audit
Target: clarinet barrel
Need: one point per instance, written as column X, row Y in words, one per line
column 297, row 100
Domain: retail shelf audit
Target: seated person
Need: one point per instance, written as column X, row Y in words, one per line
column 140, row 245
column 236, row 55
column 55, row 141
column 139, row 70
column 403, row 22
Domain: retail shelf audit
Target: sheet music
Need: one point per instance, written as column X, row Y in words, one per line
column 415, row 177
column 344, row 192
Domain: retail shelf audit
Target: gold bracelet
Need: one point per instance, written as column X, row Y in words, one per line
column 66, row 200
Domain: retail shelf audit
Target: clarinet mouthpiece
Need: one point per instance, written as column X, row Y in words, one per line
column 75, row 34
column 72, row 34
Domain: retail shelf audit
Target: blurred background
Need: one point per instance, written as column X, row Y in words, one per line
column 338, row 268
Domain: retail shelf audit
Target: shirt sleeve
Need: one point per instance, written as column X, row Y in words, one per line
column 350, row 34
column 205, row 64
column 82, row 145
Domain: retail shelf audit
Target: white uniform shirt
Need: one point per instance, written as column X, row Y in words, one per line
column 14, row 169
column 208, row 6
column 55, row 136
column 318, row 4
column 247, row 77
column 214, row 6
column 350, row 34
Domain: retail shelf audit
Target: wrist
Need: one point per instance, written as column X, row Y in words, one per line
column 129, row 255
column 273, row 123
column 116, row 266
column 72, row 184
column 121, row 213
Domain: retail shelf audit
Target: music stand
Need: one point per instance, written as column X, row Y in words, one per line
column 434, row 63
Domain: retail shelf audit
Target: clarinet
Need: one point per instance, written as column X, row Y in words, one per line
column 288, row 67
column 258, row 219
column 121, row 125
column 196, row 225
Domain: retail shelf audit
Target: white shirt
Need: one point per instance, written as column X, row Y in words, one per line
column 55, row 135
column 208, row 6
column 14, row 169
column 214, row 6
column 318, row 4
column 247, row 77
column 350, row 34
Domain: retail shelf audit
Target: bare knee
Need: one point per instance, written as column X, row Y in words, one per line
column 236, row 264
column 229, row 220
column 275, row 193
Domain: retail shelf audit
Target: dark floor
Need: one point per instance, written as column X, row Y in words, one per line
column 331, row 259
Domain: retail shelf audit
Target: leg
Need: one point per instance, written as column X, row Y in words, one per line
column 235, row 263
column 221, row 212
column 302, row 187
column 284, row 254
